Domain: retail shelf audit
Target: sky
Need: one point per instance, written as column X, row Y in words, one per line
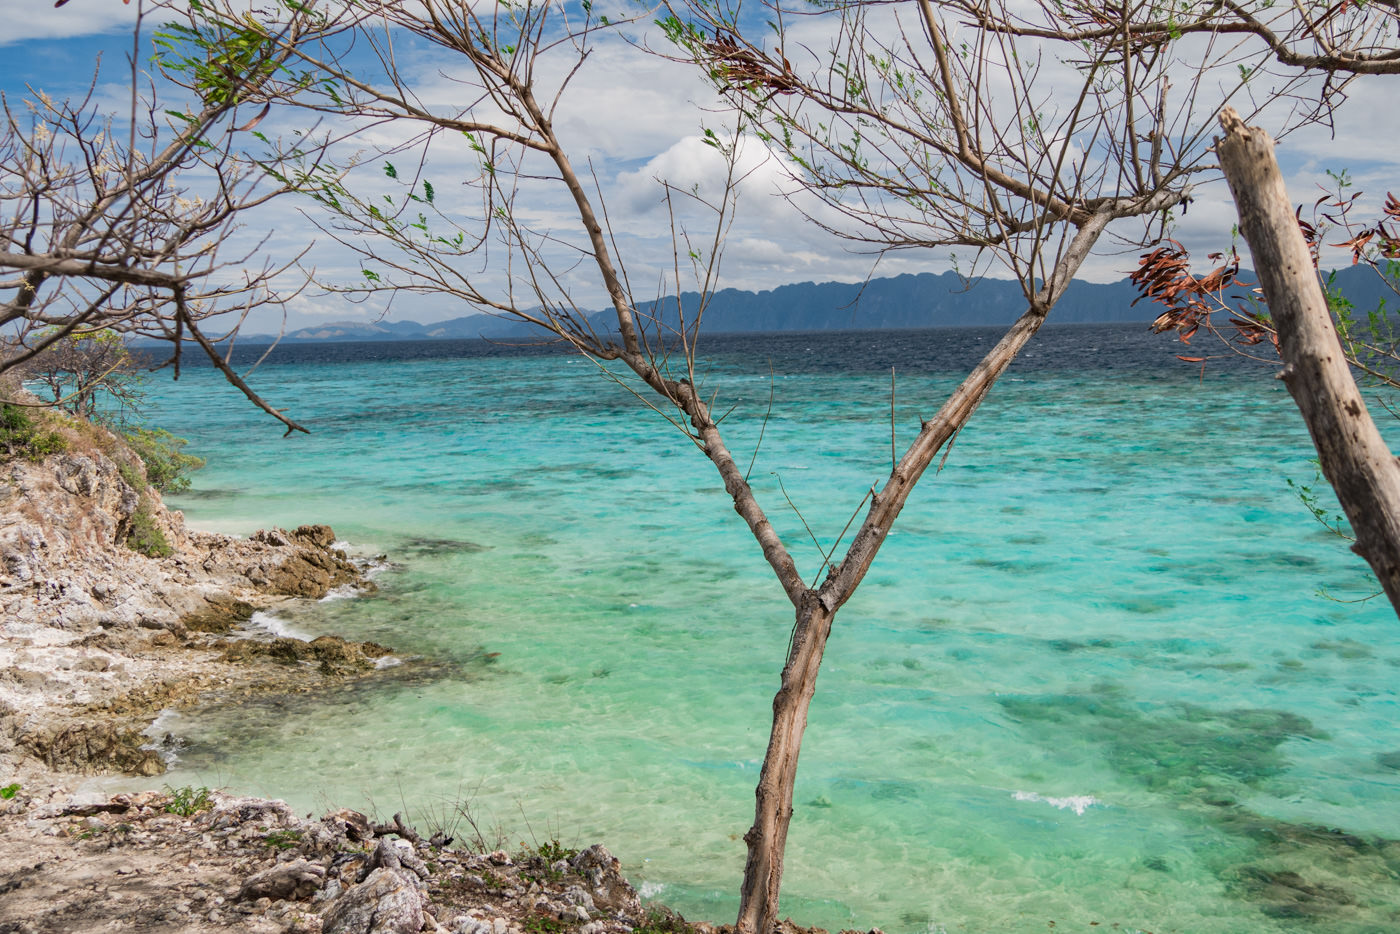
column 632, row 118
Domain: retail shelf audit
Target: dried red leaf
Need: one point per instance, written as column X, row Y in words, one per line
column 1357, row 244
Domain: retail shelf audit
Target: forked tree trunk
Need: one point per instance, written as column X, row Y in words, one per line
column 767, row 838
column 1353, row 457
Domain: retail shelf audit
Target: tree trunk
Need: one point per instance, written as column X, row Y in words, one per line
column 1354, row 458
column 767, row 838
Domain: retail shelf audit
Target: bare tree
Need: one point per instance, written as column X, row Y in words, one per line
column 80, row 371
column 1021, row 133
column 120, row 224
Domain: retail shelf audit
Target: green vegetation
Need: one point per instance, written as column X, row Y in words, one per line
column 282, row 839
column 544, row 924
column 662, row 920
column 24, row 435
column 553, row 851
column 188, row 800
column 145, row 536
column 540, row 861
column 167, row 466
column 9, row 791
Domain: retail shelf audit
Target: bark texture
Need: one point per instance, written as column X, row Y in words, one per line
column 1353, row 456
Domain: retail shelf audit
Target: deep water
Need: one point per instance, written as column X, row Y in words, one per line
column 1091, row 679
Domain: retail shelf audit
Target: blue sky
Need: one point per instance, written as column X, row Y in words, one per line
column 638, row 118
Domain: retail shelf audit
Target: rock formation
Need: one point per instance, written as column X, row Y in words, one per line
column 96, row 638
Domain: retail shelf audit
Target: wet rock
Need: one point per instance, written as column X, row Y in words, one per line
column 220, row 616
column 314, row 536
column 333, row 655
column 93, row 747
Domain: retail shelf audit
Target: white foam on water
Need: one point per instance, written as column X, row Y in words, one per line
column 158, row 730
column 651, row 889
column 1076, row 803
column 343, row 592
column 387, row 661
column 276, row 625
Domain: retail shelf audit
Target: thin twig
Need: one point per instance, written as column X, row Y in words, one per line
column 772, row 389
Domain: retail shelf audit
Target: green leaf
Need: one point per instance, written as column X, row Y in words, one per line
column 428, row 191
column 390, row 171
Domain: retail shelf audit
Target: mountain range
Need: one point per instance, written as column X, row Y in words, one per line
column 907, row 301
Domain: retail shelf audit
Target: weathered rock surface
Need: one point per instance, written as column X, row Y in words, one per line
column 65, row 527
column 296, row 880
column 388, row 902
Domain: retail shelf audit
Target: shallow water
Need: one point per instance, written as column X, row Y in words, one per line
column 1089, row 679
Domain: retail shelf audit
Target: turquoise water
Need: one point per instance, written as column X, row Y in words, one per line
column 1090, row 679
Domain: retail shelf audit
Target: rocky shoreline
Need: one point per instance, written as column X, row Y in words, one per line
column 98, row 639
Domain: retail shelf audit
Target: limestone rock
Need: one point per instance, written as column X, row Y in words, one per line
column 296, row 880
column 603, row 873
column 388, row 902
column 354, row 825
column 92, row 747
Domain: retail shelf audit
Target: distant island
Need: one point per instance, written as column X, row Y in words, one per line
column 926, row 300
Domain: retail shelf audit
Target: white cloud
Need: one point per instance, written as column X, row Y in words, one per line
column 630, row 118
column 26, row 20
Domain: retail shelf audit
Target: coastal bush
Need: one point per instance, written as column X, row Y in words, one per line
column 167, row 465
column 145, row 537
column 23, row 435
column 544, row 924
column 552, row 851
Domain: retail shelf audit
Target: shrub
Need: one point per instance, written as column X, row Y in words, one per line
column 167, row 466
column 146, row 536
column 22, row 436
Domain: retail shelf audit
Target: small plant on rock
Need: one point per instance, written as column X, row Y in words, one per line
column 145, row 536
column 9, row 791
column 282, row 839
column 545, row 924
column 662, row 920
column 552, row 851
column 188, row 801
